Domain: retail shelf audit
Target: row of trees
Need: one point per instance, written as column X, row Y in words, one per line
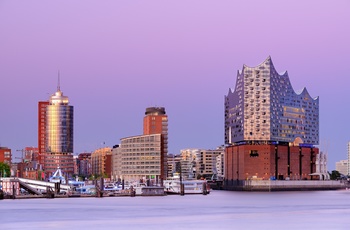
column 5, row 170
column 335, row 175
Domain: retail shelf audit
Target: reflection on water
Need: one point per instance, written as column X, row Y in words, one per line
column 219, row 210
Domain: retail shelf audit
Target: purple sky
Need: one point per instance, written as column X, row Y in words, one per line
column 118, row 57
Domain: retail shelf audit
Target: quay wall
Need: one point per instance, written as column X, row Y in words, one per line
column 283, row 185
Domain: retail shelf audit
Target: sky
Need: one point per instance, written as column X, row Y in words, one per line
column 116, row 58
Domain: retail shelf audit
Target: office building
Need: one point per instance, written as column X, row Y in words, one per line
column 141, row 158
column 201, row 163
column 144, row 157
column 342, row 167
column 156, row 122
column 116, row 163
column 56, row 139
column 42, row 130
column 101, row 162
column 173, row 164
column 84, row 164
column 270, row 130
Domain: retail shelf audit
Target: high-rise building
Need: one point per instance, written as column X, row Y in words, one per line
column 156, row 122
column 42, row 130
column 264, row 107
column 144, row 157
column 270, row 130
column 56, row 139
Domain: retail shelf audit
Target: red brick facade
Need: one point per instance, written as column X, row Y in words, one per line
column 5, row 155
column 267, row 161
column 41, row 131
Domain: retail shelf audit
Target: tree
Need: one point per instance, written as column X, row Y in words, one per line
column 335, row 175
column 5, row 170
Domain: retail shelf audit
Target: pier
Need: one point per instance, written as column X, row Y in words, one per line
column 283, row 185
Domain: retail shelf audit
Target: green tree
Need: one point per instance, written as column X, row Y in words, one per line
column 334, row 175
column 5, row 170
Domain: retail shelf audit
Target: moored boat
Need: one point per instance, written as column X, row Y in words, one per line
column 173, row 186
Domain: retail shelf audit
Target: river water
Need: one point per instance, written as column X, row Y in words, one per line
column 218, row 210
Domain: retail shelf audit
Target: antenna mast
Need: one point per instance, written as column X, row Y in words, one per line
column 58, row 83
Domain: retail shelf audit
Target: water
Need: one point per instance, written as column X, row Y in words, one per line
column 219, row 210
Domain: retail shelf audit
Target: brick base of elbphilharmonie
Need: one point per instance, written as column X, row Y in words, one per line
column 274, row 166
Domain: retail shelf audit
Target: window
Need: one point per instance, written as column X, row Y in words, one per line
column 254, row 153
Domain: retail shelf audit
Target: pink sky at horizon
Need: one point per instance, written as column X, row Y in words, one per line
column 118, row 57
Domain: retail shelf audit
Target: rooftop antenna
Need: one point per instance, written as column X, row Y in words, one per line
column 58, row 83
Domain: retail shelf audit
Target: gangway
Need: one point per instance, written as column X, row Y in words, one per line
column 29, row 188
column 43, row 185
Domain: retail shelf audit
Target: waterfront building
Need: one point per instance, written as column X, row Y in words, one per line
column 321, row 167
column 342, row 167
column 189, row 157
column 173, row 160
column 5, row 155
column 141, row 158
column 116, row 163
column 144, row 157
column 29, row 170
column 220, row 165
column 101, row 162
column 84, row 164
column 75, row 165
column 42, row 130
column 196, row 163
column 156, row 122
column 57, row 118
column 270, row 130
column 29, row 167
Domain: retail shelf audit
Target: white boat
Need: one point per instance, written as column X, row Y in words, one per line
column 87, row 190
column 110, row 187
column 173, row 186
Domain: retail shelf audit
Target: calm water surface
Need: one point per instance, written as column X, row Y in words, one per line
column 219, row 210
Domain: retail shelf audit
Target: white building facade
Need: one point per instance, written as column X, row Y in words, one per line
column 202, row 163
column 342, row 167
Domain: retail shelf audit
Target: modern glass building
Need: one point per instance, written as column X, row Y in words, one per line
column 270, row 129
column 264, row 107
column 59, row 134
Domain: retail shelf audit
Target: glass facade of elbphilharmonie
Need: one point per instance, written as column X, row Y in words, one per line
column 264, row 107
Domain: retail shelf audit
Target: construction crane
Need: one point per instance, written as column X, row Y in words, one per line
column 22, row 157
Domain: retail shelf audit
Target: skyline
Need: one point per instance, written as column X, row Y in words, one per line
column 118, row 58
